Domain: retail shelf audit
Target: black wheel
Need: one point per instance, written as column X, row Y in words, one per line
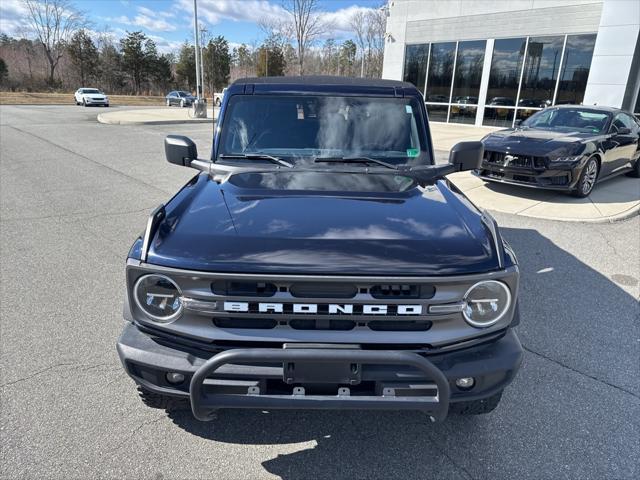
column 476, row 407
column 182, row 103
column 84, row 103
column 635, row 173
column 587, row 179
column 162, row 402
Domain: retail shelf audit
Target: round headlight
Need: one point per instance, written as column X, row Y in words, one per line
column 485, row 303
column 159, row 297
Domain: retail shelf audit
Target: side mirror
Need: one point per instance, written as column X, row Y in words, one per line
column 623, row 131
column 467, row 155
column 517, row 122
column 180, row 150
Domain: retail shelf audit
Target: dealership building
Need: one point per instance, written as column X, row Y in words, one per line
column 494, row 62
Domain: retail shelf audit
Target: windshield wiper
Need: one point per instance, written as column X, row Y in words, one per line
column 256, row 156
column 365, row 160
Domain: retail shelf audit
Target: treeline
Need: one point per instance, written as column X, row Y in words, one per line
column 62, row 54
column 134, row 66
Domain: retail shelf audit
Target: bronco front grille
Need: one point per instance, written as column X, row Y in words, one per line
column 318, row 308
column 316, row 305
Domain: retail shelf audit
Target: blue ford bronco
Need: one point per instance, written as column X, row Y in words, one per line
column 321, row 259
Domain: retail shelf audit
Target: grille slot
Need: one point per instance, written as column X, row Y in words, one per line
column 230, row 288
column 323, row 290
column 400, row 325
column 259, row 323
column 399, row 292
column 304, row 324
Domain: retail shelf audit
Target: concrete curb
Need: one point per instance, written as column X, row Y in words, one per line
column 108, row 121
column 619, row 217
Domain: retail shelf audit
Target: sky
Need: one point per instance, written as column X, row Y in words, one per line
column 170, row 22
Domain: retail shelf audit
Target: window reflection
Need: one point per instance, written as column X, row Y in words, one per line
column 461, row 113
column 437, row 113
column 524, row 113
column 506, row 66
column 498, row 117
column 575, row 68
column 440, row 72
column 469, row 62
column 415, row 65
column 541, row 69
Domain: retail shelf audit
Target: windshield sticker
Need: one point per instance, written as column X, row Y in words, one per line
column 408, row 109
column 412, row 152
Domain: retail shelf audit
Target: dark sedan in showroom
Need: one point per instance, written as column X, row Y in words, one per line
column 568, row 148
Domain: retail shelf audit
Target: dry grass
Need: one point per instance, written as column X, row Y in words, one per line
column 27, row 98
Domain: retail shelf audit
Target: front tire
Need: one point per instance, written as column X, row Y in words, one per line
column 587, row 180
column 182, row 103
column 476, row 407
column 162, row 402
column 168, row 103
column 84, row 103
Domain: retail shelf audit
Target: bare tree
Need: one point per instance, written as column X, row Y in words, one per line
column 53, row 22
column 359, row 23
column 307, row 25
column 376, row 29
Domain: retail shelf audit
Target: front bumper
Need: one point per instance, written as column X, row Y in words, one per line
column 257, row 377
column 562, row 177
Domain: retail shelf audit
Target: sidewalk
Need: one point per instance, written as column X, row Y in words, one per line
column 154, row 116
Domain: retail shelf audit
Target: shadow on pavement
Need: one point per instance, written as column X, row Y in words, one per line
column 570, row 409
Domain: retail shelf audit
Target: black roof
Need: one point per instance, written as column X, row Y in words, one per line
column 324, row 80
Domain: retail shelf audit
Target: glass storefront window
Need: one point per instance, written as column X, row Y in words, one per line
column 541, row 70
column 462, row 113
column 440, row 72
column 506, row 66
column 498, row 117
column 524, row 113
column 415, row 64
column 469, row 63
column 575, row 68
column 437, row 113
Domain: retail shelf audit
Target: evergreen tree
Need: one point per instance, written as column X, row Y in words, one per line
column 83, row 55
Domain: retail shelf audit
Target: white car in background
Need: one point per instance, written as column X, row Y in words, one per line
column 91, row 96
column 218, row 97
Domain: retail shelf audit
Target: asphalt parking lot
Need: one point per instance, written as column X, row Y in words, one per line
column 75, row 193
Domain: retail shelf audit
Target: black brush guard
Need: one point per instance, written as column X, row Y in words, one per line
column 204, row 405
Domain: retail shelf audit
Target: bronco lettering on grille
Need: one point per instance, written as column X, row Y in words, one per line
column 327, row 309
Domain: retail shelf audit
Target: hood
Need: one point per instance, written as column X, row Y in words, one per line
column 269, row 225
column 538, row 142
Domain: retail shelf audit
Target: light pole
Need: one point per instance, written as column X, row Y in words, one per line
column 200, row 104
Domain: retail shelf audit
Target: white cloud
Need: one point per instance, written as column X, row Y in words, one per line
column 214, row 11
column 148, row 19
column 340, row 20
column 13, row 17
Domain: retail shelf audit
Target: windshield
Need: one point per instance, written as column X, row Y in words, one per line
column 91, row 90
column 183, row 94
column 570, row 119
column 308, row 126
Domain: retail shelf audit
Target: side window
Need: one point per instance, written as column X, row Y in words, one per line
column 622, row 120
